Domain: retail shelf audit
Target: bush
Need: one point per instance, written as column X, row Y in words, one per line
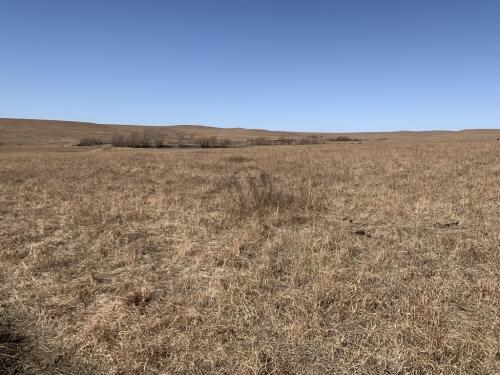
column 119, row 140
column 226, row 142
column 344, row 138
column 253, row 190
column 285, row 141
column 158, row 140
column 147, row 138
column 261, row 141
column 207, row 142
column 135, row 140
column 90, row 142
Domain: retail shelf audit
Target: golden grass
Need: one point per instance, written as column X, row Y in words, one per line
column 360, row 258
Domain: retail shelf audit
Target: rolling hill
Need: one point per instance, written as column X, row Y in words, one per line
column 56, row 132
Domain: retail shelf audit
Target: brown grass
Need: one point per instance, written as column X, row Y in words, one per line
column 350, row 259
column 43, row 132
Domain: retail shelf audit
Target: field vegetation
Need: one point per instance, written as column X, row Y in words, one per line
column 379, row 257
column 149, row 138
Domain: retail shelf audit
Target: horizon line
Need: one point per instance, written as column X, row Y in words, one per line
column 243, row 128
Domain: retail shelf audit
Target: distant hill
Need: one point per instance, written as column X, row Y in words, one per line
column 47, row 132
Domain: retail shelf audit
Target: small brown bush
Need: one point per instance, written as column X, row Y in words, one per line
column 158, row 140
column 119, row 140
column 135, row 140
column 254, row 190
column 90, row 142
column 343, row 138
column 285, row 141
column 208, row 142
column 146, row 138
column 226, row 142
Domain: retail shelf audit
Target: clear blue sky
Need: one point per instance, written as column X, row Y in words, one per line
column 352, row 65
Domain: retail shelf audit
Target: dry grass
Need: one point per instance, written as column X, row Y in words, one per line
column 43, row 132
column 370, row 258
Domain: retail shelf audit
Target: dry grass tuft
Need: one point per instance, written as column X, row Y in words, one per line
column 238, row 159
column 252, row 189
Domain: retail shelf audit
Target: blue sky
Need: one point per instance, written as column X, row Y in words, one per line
column 357, row 65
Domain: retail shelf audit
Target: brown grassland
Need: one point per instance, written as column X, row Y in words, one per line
column 380, row 257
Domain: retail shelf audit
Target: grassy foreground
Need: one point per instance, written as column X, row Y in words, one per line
column 344, row 258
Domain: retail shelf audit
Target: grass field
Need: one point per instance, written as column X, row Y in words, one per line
column 380, row 257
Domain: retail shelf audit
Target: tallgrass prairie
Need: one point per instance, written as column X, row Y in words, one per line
column 380, row 257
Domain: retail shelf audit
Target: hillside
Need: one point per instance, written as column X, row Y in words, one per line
column 53, row 132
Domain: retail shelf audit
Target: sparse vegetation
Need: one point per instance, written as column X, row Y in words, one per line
column 348, row 259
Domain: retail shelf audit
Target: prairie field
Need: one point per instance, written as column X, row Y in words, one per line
column 352, row 258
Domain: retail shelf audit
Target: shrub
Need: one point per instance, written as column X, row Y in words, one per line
column 285, row 141
column 226, row 142
column 147, row 138
column 304, row 141
column 151, row 138
column 135, row 139
column 261, row 141
column 253, row 190
column 343, row 138
column 207, row 142
column 119, row 140
column 90, row 142
column 158, row 140
column 181, row 138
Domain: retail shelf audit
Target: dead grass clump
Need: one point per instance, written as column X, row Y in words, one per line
column 253, row 190
column 139, row 297
column 238, row 159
